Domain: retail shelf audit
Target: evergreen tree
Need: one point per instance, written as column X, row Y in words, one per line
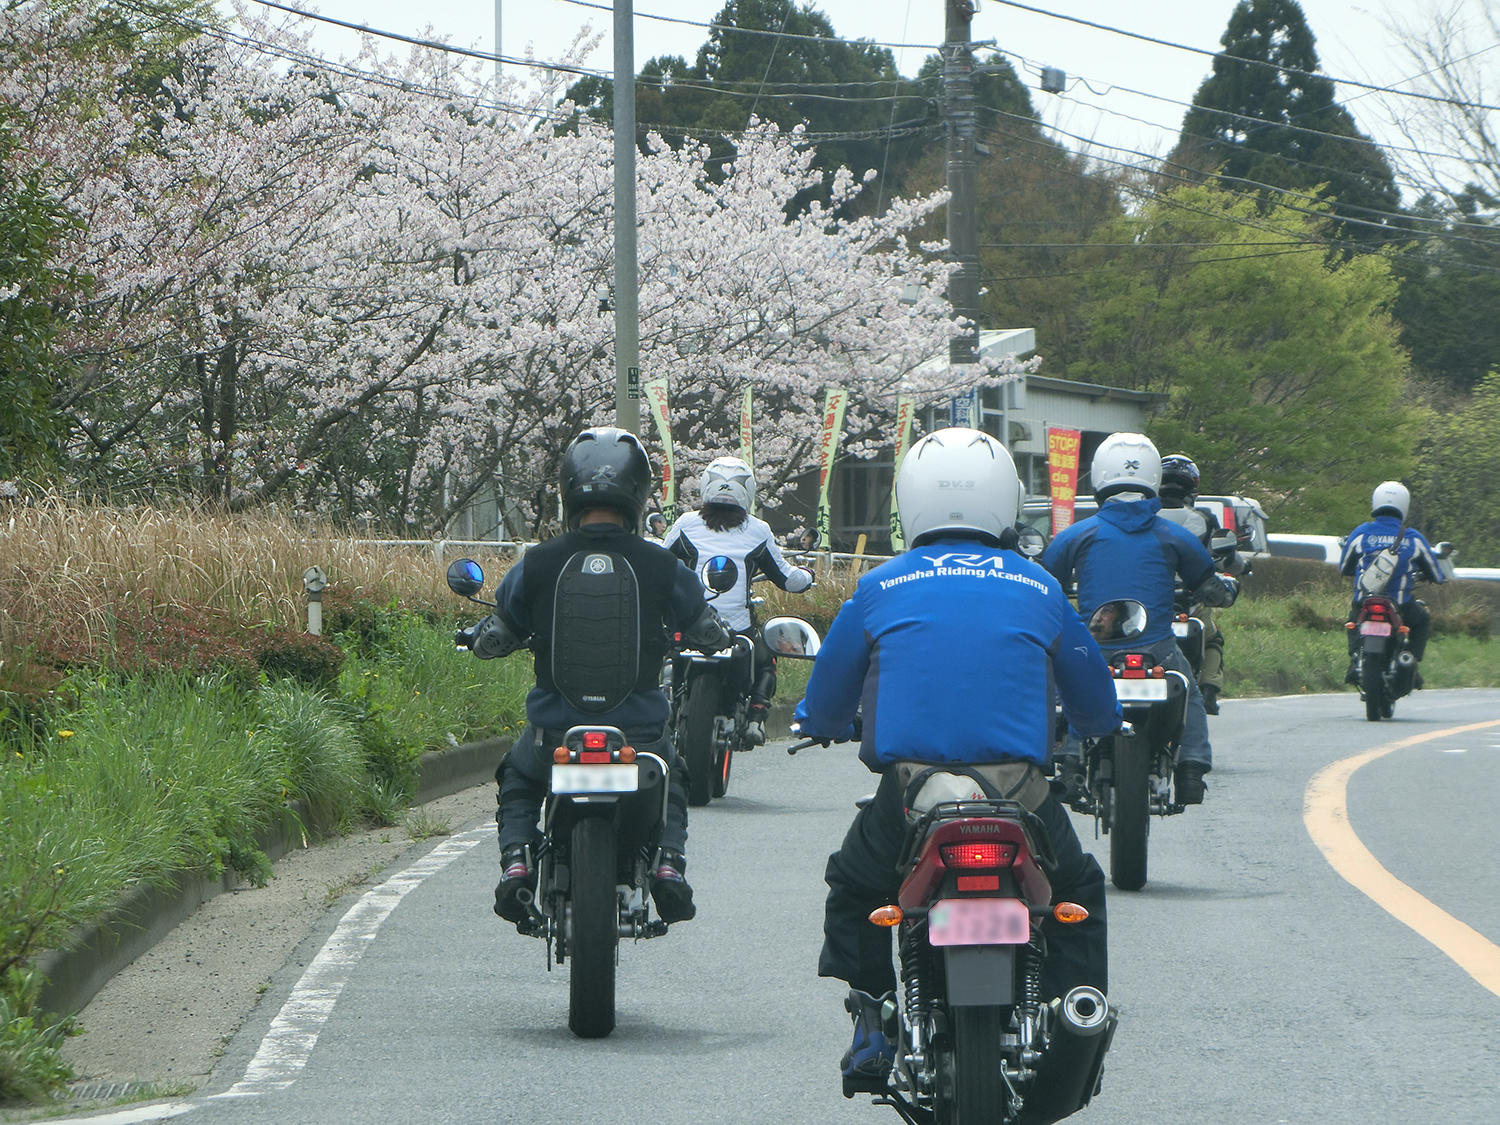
column 1266, row 117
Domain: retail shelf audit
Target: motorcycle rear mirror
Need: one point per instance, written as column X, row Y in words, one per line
column 1445, row 550
column 656, row 524
column 807, row 539
column 720, row 573
column 1223, row 542
column 791, row 636
column 1116, row 621
column 465, row 578
column 1031, row 542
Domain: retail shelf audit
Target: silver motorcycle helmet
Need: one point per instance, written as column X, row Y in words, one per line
column 1390, row 496
column 957, row 480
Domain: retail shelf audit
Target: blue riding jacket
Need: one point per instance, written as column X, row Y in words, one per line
column 954, row 652
column 1128, row 551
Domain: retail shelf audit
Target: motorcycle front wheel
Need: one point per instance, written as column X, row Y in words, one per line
column 1130, row 814
column 973, row 1092
column 696, row 732
column 595, row 929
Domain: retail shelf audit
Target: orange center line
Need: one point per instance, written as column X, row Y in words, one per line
column 1325, row 813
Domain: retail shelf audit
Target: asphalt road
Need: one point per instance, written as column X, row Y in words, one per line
column 1257, row 982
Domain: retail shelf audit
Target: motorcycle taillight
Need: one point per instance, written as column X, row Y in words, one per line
column 979, row 853
column 595, row 740
column 1376, row 610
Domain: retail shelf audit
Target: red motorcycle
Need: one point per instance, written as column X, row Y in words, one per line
column 1387, row 665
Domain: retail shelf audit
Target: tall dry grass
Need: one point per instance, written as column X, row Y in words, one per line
column 71, row 566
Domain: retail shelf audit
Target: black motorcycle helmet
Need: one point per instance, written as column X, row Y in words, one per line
column 605, row 467
column 1179, row 480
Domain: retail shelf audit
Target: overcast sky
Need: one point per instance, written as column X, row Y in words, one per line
column 1355, row 41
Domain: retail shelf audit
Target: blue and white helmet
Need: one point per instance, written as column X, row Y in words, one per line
column 1126, row 463
column 728, row 480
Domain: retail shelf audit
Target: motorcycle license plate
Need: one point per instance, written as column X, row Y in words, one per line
column 979, row 921
column 1179, row 628
column 1375, row 629
column 622, row 778
column 1136, row 691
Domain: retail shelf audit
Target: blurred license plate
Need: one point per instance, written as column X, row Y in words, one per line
column 596, row 779
column 1375, row 629
column 1137, row 690
column 979, row 921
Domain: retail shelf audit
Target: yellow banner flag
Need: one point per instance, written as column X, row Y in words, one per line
column 656, row 396
column 833, row 421
column 747, row 436
column 905, row 409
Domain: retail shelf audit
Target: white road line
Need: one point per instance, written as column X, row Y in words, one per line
column 294, row 1032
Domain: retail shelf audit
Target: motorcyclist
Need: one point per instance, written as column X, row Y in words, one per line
column 724, row 527
column 952, row 647
column 1127, row 551
column 1179, row 494
column 1414, row 557
column 596, row 605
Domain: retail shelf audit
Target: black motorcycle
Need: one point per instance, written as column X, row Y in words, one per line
column 601, row 826
column 710, row 694
column 1130, row 773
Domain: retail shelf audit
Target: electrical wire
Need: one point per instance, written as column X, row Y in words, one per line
column 1248, row 62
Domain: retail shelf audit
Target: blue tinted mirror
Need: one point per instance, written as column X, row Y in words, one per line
column 465, row 578
column 720, row 573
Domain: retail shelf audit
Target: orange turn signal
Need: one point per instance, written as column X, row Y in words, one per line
column 1069, row 912
column 886, row 915
column 1348, row 624
column 1404, row 629
column 627, row 753
column 561, row 755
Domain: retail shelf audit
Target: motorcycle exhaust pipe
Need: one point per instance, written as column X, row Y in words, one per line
column 1405, row 672
column 1068, row 1076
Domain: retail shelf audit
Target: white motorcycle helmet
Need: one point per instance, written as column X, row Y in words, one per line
column 1390, row 496
column 957, row 480
column 728, row 480
column 1126, row 463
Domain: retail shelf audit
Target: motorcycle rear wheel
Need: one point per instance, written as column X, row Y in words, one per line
column 696, row 732
column 975, row 1092
column 1130, row 814
column 596, row 929
column 1372, row 687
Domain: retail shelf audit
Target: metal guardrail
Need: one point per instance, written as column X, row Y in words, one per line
column 440, row 548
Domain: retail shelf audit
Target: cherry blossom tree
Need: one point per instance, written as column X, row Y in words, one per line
column 374, row 287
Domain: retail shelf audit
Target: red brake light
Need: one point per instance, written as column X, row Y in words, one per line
column 979, row 853
column 1376, row 609
column 595, row 740
column 1135, row 660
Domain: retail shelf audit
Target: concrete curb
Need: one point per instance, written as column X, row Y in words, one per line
column 147, row 914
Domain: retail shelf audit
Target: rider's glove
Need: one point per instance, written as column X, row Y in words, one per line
column 707, row 632
column 464, row 638
column 494, row 638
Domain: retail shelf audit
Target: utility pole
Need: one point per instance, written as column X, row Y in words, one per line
column 627, row 324
column 963, row 179
column 498, row 64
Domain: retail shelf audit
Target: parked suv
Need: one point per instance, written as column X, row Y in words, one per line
column 1243, row 516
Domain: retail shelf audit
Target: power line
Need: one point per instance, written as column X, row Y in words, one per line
column 1248, row 62
column 758, row 31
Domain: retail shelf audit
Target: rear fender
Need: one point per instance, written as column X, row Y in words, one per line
column 925, row 879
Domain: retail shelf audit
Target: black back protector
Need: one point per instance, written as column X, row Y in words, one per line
column 596, row 631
